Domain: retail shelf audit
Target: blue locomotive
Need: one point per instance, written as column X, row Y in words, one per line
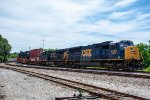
column 121, row 55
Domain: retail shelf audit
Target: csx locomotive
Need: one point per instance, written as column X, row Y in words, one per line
column 121, row 55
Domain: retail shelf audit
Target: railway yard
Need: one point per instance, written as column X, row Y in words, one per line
column 20, row 82
column 75, row 50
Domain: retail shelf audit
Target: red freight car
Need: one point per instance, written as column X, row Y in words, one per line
column 19, row 59
column 35, row 56
column 24, row 61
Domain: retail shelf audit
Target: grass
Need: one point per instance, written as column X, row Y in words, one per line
column 96, row 67
column 146, row 69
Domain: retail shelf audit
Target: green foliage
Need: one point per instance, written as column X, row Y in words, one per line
column 145, row 53
column 5, row 49
column 49, row 50
column 147, row 69
column 13, row 55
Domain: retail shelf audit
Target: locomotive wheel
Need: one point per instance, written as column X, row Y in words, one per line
column 58, row 65
column 131, row 68
column 77, row 66
column 70, row 65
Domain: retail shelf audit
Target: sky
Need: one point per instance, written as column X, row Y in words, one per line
column 69, row 23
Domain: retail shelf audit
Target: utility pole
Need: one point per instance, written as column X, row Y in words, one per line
column 29, row 48
column 43, row 41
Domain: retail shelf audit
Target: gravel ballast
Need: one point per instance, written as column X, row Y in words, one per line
column 135, row 86
column 18, row 86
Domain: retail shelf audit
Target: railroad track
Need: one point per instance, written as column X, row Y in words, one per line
column 114, row 73
column 94, row 90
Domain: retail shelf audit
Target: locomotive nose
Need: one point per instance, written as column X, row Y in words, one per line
column 132, row 52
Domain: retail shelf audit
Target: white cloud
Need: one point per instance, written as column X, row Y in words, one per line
column 109, row 27
column 63, row 22
column 137, row 37
column 143, row 16
column 122, row 15
column 125, row 2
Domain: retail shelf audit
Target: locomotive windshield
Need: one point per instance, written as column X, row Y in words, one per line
column 122, row 45
column 125, row 44
column 130, row 43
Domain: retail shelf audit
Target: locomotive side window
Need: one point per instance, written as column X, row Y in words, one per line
column 112, row 46
column 122, row 46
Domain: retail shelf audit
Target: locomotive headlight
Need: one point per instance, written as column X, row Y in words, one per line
column 118, row 56
column 133, row 52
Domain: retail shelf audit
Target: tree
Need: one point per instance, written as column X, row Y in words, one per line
column 5, row 49
column 13, row 55
column 49, row 50
column 144, row 51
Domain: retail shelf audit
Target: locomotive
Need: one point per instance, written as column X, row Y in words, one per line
column 121, row 55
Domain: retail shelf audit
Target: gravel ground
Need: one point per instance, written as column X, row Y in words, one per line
column 135, row 86
column 136, row 73
column 18, row 86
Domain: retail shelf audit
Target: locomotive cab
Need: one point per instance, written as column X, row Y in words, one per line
column 131, row 55
column 129, row 51
column 122, row 45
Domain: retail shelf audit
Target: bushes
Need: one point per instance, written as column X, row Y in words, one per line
column 145, row 53
column 5, row 49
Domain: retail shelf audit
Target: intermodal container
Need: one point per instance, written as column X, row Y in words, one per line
column 36, row 52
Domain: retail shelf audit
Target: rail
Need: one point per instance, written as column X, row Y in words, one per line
column 99, row 72
column 94, row 90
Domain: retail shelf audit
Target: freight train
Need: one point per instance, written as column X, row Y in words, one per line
column 121, row 55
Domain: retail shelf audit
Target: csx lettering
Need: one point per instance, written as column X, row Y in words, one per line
column 86, row 52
